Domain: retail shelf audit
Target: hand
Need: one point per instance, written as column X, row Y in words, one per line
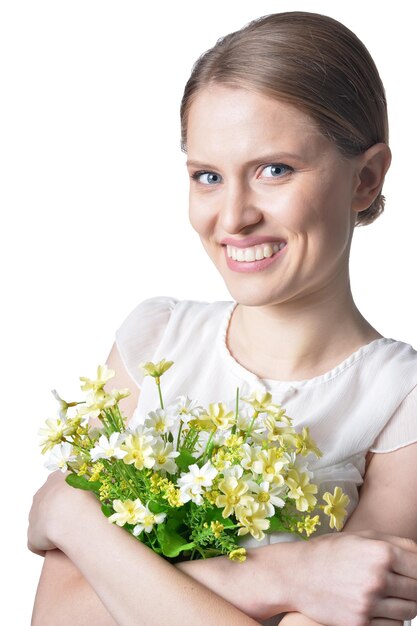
column 369, row 577
column 48, row 506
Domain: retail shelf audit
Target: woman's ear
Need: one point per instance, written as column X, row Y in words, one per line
column 372, row 166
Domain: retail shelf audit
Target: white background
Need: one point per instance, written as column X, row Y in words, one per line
column 94, row 196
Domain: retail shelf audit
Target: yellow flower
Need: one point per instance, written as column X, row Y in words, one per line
column 139, row 450
column 97, row 469
column 155, row 369
column 304, row 444
column 56, row 432
column 234, row 441
column 238, row 555
column 127, row 511
column 301, row 490
column 308, row 524
column 233, row 491
column 335, row 508
column 279, row 433
column 217, row 528
column 261, row 402
column 252, row 519
column 96, row 402
column 270, row 464
column 219, row 414
column 103, row 375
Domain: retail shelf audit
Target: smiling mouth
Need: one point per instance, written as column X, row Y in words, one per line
column 254, row 253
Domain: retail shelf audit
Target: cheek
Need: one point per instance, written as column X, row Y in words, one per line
column 323, row 209
column 200, row 219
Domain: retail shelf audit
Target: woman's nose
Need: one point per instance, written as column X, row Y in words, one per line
column 237, row 208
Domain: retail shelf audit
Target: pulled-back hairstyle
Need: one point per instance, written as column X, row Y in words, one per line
column 311, row 61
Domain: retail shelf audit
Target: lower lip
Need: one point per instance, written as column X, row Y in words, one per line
column 253, row 266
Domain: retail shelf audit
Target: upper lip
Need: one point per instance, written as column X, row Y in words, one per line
column 253, row 240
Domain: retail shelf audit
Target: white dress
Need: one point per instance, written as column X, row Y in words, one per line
column 367, row 402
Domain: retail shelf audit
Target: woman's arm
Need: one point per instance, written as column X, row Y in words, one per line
column 388, row 504
column 65, row 596
column 243, row 584
column 135, row 585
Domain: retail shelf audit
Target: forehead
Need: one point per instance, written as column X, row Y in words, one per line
column 223, row 116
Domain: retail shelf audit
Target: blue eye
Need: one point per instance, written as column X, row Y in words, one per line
column 196, row 175
column 278, row 166
column 213, row 178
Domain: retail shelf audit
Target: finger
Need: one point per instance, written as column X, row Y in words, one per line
column 395, row 608
column 401, row 587
column 402, row 542
column 404, row 563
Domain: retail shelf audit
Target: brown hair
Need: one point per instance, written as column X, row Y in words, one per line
column 311, row 61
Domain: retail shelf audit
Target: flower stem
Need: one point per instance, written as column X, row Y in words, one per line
column 237, row 411
column 179, row 433
column 207, row 445
column 159, row 391
column 255, row 415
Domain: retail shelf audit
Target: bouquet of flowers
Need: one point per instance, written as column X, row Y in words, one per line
column 190, row 481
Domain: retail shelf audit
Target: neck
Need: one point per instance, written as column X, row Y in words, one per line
column 301, row 338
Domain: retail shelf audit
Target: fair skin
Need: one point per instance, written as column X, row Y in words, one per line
column 298, row 320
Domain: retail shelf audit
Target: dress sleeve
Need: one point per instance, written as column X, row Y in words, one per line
column 401, row 429
column 141, row 331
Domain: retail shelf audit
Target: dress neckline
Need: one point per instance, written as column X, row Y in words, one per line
column 246, row 374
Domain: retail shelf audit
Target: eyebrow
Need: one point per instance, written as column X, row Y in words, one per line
column 274, row 156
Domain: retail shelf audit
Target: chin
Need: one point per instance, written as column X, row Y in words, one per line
column 252, row 295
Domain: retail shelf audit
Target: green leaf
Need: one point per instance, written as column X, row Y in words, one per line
column 79, row 482
column 276, row 525
column 215, row 514
column 107, row 510
column 171, row 542
column 184, row 460
column 157, row 507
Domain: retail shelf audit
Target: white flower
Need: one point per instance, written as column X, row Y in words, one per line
column 60, row 455
column 187, row 409
column 250, row 456
column 138, row 444
column 107, row 448
column 267, row 495
column 164, row 454
column 235, row 471
column 147, row 520
column 190, row 491
column 192, row 482
column 159, row 422
column 199, row 476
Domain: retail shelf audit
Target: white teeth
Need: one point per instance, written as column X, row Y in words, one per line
column 249, row 254
column 254, row 253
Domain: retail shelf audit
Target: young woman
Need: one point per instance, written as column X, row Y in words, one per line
column 284, row 124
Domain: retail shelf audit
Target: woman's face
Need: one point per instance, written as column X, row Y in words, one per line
column 261, row 168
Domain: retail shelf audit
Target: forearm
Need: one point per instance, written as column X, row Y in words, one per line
column 250, row 586
column 136, row 585
column 64, row 596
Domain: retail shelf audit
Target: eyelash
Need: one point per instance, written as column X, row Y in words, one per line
column 195, row 176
